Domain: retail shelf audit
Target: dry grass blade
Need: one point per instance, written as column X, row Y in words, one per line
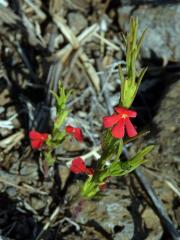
column 24, row 188
column 36, row 9
column 173, row 187
column 110, row 44
column 56, row 6
column 32, row 35
column 81, row 5
column 66, row 31
column 91, row 71
column 9, row 142
column 51, row 219
column 82, row 38
column 8, row 124
column 7, row 16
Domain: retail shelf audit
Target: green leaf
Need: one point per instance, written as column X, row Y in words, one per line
column 57, row 136
column 124, row 167
column 141, row 75
column 140, row 134
column 130, row 83
column 141, row 41
column 89, row 189
column 121, row 74
column 60, row 119
column 49, row 158
column 119, row 149
column 61, row 97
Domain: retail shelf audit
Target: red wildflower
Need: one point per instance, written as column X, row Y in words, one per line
column 78, row 166
column 120, row 121
column 37, row 139
column 75, row 132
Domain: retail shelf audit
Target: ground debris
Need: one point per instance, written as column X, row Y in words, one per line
column 78, row 42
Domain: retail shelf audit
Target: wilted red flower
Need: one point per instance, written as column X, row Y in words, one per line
column 102, row 186
column 120, row 121
column 75, row 132
column 78, row 166
column 37, row 139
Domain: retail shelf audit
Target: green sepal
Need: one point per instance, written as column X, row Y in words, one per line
column 49, row 158
column 89, row 189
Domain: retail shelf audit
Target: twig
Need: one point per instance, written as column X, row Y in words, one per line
column 8, row 123
column 93, row 153
column 46, row 226
column 82, row 38
column 66, row 31
column 24, row 188
column 73, row 61
column 9, row 142
column 168, row 225
column 69, row 221
column 90, row 70
column 36, row 9
column 106, row 41
column 173, row 187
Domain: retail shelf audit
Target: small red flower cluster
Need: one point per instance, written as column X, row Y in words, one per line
column 78, row 166
column 120, row 121
column 37, row 139
column 75, row 132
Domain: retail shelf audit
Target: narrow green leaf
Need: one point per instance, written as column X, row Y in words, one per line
column 123, row 167
column 121, row 74
column 140, row 77
column 141, row 41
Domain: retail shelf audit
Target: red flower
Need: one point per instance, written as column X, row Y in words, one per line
column 75, row 132
column 37, row 139
column 120, row 121
column 78, row 166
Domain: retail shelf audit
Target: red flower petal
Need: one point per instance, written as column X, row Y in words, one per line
column 44, row 136
column 34, row 135
column 75, row 132
column 130, row 129
column 37, row 135
column 78, row 135
column 36, row 144
column 69, row 129
column 37, row 139
column 110, row 121
column 118, row 129
column 129, row 113
column 78, row 166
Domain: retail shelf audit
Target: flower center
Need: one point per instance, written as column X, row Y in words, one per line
column 124, row 116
